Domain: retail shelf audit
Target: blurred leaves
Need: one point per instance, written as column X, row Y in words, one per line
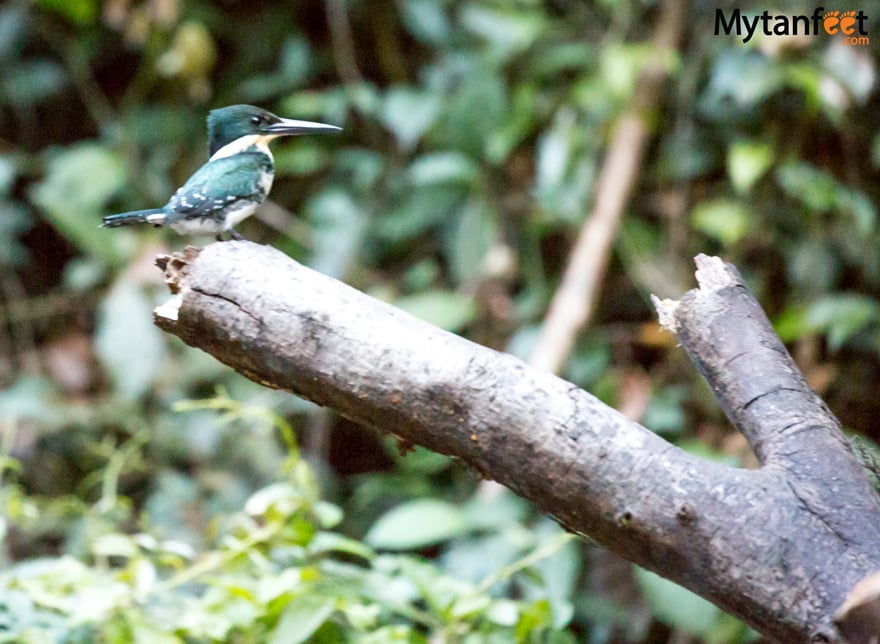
column 408, row 114
column 271, row 574
column 338, row 226
column 747, row 162
column 416, row 524
column 79, row 182
column 14, row 217
column 839, row 317
column 681, row 608
column 81, row 12
column 301, row 618
column 725, row 220
column 127, row 342
column 31, row 82
column 294, row 69
column 192, row 56
column 819, row 191
column 447, row 310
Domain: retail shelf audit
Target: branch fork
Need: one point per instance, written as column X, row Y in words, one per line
column 780, row 546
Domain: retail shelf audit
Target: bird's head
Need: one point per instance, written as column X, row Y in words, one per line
column 229, row 124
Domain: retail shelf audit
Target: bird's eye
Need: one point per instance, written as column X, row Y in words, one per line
column 257, row 120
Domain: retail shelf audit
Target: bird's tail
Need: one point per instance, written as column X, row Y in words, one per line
column 151, row 215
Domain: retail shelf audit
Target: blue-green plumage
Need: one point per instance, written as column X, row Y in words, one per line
column 233, row 183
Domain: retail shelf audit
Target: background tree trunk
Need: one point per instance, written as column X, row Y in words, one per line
column 780, row 546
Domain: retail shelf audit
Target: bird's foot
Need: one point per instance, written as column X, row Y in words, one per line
column 232, row 236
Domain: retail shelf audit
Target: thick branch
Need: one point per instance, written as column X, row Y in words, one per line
column 757, row 543
column 758, row 385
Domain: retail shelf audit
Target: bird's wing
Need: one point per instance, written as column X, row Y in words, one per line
column 220, row 183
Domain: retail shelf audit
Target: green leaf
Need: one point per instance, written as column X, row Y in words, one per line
column 29, row 397
column 419, row 210
column 514, row 124
column 294, row 71
column 554, row 151
column 30, row 82
column 448, row 310
column 79, row 181
column 726, row 88
column 534, row 617
column 425, row 20
column 508, row 31
column 678, row 606
column 860, row 207
column 8, row 172
column 409, row 114
column 417, row 524
column 276, row 501
column 326, row 542
column 365, row 167
column 14, row 28
column 725, row 220
column 80, row 12
column 474, row 109
column 395, row 634
column 115, row 545
column 127, row 342
column 301, row 618
column 747, row 162
column 442, row 167
column 327, row 514
column 814, row 265
column 841, row 316
column 820, row 191
column 419, row 461
column 339, row 224
column 470, row 241
column 563, row 173
column 815, row 189
column 14, row 220
column 308, row 157
column 559, row 571
column 664, row 412
column 504, row 612
column 620, row 67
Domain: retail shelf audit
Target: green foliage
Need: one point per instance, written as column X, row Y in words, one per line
column 127, row 342
column 725, row 220
column 417, row 524
column 681, row 608
column 79, row 182
column 274, row 571
column 450, row 311
column 839, row 317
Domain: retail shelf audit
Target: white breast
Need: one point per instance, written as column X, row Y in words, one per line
column 240, row 212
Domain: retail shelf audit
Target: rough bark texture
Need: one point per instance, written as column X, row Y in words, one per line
column 780, row 546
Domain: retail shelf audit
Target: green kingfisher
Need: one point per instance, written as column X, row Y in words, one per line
column 234, row 181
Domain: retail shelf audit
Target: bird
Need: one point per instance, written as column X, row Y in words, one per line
column 234, row 181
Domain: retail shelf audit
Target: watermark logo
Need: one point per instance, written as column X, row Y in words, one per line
column 850, row 25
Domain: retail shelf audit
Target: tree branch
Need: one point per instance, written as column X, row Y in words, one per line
column 780, row 546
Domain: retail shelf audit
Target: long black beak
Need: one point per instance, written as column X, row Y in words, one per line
column 293, row 127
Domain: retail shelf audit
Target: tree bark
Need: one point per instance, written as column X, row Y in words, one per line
column 779, row 546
